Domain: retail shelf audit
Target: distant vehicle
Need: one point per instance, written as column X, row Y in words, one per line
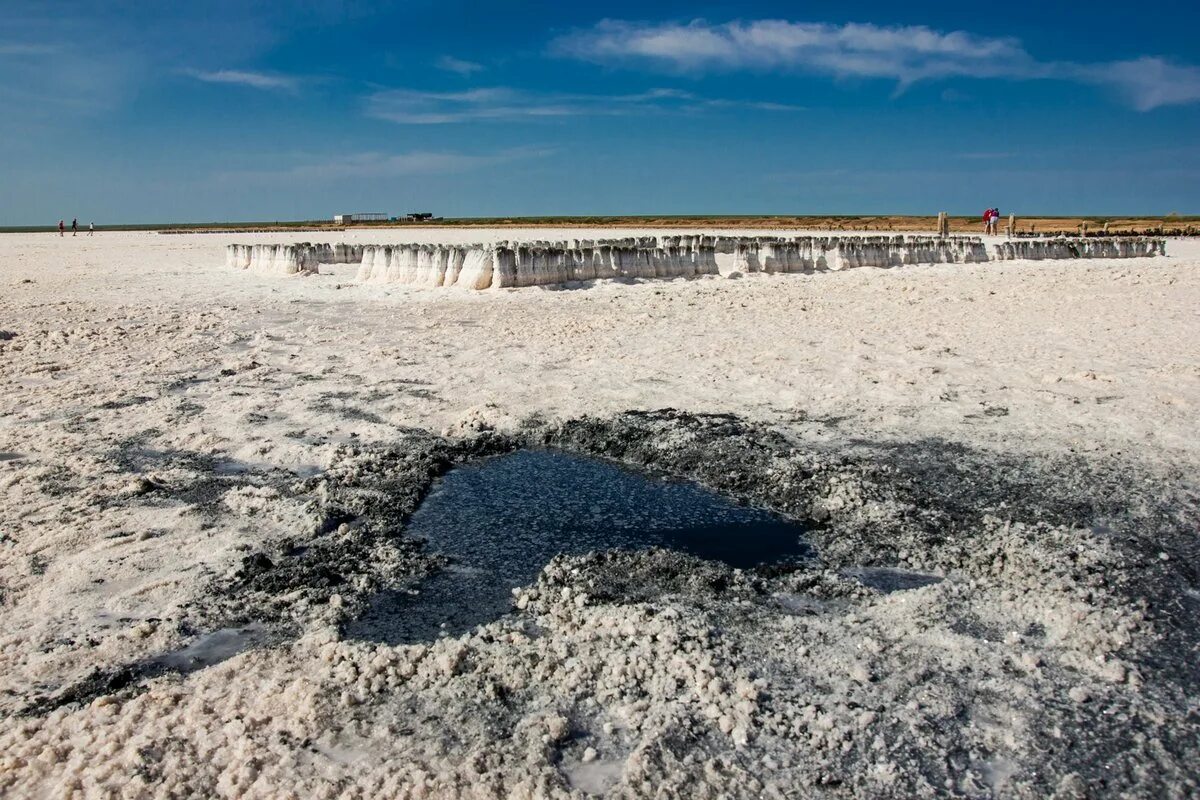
column 419, row 216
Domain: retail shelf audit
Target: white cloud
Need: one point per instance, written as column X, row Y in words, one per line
column 459, row 66
column 255, row 80
column 410, row 107
column 904, row 54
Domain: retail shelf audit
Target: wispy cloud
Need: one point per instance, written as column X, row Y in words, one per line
column 59, row 61
column 386, row 165
column 459, row 66
column 410, row 107
column 1146, row 83
column 54, row 81
column 27, row 49
column 255, row 80
column 905, row 54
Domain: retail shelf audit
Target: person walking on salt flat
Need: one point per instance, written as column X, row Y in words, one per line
column 91, row 228
column 75, row 226
column 61, row 227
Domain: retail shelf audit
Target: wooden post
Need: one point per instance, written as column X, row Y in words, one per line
column 943, row 224
column 1012, row 225
column 1083, row 229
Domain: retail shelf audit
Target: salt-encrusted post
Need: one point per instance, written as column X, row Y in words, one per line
column 1083, row 229
column 943, row 224
column 1012, row 225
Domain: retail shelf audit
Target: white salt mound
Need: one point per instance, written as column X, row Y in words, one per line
column 513, row 264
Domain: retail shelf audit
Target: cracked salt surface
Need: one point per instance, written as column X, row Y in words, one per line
column 501, row 520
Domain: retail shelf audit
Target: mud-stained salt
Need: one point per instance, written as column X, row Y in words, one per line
column 892, row 579
column 594, row 777
column 501, row 520
column 213, row 648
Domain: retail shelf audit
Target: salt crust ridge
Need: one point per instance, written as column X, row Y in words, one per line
column 514, row 264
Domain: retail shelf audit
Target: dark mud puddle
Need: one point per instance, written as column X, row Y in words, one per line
column 501, row 520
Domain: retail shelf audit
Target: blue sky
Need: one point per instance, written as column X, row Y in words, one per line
column 140, row 111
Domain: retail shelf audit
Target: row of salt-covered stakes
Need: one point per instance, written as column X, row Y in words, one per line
column 539, row 263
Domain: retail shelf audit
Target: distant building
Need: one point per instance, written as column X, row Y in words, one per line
column 419, row 216
column 362, row 216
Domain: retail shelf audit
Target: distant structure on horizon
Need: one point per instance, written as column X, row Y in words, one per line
column 362, row 216
column 380, row 216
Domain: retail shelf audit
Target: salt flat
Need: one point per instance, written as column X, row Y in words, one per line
column 163, row 418
column 881, row 347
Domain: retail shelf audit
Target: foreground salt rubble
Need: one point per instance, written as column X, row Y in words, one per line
column 513, row 264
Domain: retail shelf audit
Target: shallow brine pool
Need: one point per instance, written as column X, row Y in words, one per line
column 501, row 520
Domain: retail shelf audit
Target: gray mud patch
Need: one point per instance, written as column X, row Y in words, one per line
column 500, row 521
column 168, row 476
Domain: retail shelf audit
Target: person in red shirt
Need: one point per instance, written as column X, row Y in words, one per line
column 987, row 222
column 62, row 224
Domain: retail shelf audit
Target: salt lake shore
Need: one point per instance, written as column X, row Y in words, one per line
column 206, row 474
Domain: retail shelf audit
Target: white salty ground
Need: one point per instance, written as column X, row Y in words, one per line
column 1083, row 355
